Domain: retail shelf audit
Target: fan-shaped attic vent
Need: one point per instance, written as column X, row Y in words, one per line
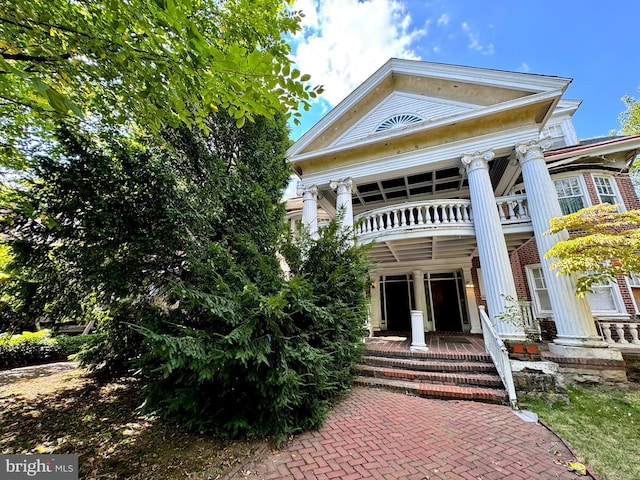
column 398, row 121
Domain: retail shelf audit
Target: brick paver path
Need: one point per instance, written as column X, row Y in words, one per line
column 385, row 435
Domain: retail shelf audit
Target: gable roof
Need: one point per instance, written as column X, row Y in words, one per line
column 436, row 93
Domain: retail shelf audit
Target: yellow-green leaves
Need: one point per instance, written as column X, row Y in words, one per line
column 603, row 244
column 167, row 61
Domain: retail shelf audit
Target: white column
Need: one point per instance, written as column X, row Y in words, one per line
column 572, row 315
column 474, row 318
column 492, row 247
column 417, row 332
column 374, row 305
column 344, row 204
column 419, row 295
column 309, row 208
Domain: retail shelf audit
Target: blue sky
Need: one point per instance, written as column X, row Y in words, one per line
column 594, row 42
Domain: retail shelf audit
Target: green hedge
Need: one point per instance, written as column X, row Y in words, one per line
column 28, row 348
column 32, row 348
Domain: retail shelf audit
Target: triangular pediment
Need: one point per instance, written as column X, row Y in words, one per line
column 407, row 95
column 400, row 110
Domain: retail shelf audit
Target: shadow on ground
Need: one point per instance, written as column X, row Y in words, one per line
column 72, row 413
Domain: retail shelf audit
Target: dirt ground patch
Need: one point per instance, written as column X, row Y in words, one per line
column 70, row 412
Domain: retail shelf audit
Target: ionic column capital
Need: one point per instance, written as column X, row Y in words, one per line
column 342, row 185
column 477, row 160
column 307, row 190
column 533, row 149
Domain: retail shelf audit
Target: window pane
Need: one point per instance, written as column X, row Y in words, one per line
column 569, row 195
column 543, row 297
column 571, row 205
column 602, row 300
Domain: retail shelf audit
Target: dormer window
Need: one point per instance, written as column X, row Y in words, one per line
column 398, row 121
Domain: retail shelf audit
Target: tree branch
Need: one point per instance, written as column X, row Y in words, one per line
column 35, row 58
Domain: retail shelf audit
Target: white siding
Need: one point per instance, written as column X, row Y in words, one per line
column 398, row 103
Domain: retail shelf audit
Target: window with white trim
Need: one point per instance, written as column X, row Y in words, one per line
column 555, row 135
column 538, row 289
column 634, row 286
column 605, row 299
column 606, row 190
column 570, row 195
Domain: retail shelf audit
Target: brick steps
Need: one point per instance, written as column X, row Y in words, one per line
column 432, row 374
column 438, row 378
column 430, row 365
column 429, row 390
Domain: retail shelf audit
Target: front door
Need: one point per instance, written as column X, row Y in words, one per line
column 396, row 299
column 445, row 294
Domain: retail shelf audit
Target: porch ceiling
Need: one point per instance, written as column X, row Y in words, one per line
column 427, row 249
column 442, row 183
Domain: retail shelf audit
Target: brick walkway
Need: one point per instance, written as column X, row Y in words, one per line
column 384, row 435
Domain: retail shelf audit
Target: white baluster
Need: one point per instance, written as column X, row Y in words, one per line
column 606, row 330
column 451, row 215
column 501, row 211
column 411, row 211
column 458, row 213
column 620, row 331
column 633, row 329
column 427, row 214
column 421, row 215
column 512, row 214
column 465, row 213
column 436, row 214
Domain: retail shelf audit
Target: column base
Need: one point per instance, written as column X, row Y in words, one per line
column 599, row 350
column 418, row 348
column 473, row 331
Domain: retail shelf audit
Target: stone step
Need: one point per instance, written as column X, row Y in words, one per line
column 429, row 364
column 381, row 351
column 437, row 378
column 445, row 392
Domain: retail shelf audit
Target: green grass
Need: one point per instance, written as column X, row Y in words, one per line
column 602, row 424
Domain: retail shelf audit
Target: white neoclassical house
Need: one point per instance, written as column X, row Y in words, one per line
column 453, row 173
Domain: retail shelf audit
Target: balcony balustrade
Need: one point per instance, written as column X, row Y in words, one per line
column 435, row 214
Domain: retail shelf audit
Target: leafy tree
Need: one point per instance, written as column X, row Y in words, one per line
column 154, row 62
column 630, row 118
column 236, row 361
column 92, row 233
column 603, row 244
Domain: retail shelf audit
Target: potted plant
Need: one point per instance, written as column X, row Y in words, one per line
column 517, row 312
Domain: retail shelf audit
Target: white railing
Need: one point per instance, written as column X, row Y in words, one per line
column 621, row 329
column 436, row 213
column 408, row 216
column 513, row 209
column 530, row 323
column 496, row 348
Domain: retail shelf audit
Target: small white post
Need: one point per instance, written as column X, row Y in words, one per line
column 417, row 332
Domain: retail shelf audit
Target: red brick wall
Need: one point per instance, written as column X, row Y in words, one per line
column 527, row 254
column 627, row 192
column 475, row 264
column 591, row 188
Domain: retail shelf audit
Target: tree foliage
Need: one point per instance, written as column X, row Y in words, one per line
column 630, row 118
column 604, row 243
column 154, row 62
column 175, row 246
column 262, row 363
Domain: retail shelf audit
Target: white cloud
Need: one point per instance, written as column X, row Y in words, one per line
column 474, row 41
column 524, row 67
column 443, row 20
column 344, row 41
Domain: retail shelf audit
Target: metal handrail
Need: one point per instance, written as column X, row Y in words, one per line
column 496, row 348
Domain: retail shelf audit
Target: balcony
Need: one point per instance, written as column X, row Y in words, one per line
column 431, row 218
